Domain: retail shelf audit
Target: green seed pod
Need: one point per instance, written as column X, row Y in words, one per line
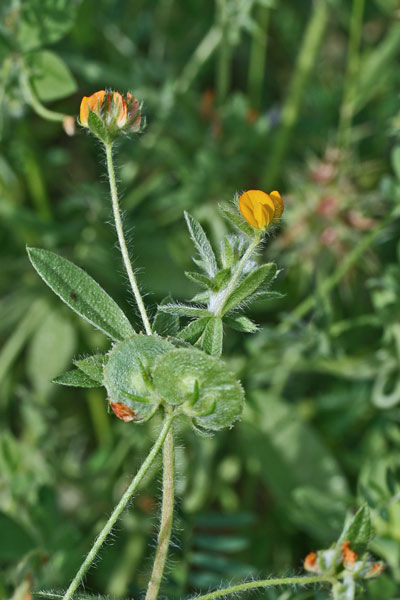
column 201, row 385
column 127, row 376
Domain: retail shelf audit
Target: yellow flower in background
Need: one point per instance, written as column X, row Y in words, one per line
column 261, row 209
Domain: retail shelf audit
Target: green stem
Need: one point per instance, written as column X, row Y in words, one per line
column 258, row 56
column 167, row 512
column 330, row 282
column 121, row 239
column 263, row 583
column 353, row 59
column 32, row 99
column 224, row 55
column 290, row 112
column 231, row 285
column 118, row 509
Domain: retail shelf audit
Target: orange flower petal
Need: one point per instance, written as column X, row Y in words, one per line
column 123, row 412
column 84, row 111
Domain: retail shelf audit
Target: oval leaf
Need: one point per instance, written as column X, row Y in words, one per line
column 81, row 293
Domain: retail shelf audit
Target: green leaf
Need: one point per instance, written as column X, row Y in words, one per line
column 76, row 378
column 222, row 278
column 267, row 295
column 50, row 350
column 241, row 323
column 358, row 531
column 92, row 366
column 194, row 330
column 44, row 22
column 97, row 127
column 201, row 279
column 165, row 323
column 51, row 79
column 81, row 293
column 344, row 590
column 201, row 385
column 19, row 542
column 227, row 253
column 202, row 297
column 249, row 285
column 184, row 310
column 127, row 375
column 395, row 160
column 202, row 244
column 213, row 336
column 237, row 221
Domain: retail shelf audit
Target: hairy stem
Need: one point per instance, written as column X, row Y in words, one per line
column 121, row 240
column 263, row 583
column 118, row 509
column 167, row 512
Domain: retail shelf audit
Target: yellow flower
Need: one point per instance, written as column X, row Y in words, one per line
column 119, row 114
column 93, row 103
column 261, row 209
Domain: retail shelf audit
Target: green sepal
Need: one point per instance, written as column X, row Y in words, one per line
column 237, row 221
column 358, row 531
column 76, row 378
column 202, row 244
column 97, row 127
column 184, row 310
column 222, row 278
column 81, row 293
column 261, row 275
column 241, row 323
column 201, row 279
column 192, row 332
column 92, row 366
column 211, row 341
column 165, row 323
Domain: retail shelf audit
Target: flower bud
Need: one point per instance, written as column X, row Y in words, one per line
column 109, row 114
column 261, row 209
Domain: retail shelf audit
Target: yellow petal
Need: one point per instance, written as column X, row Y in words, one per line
column 84, row 112
column 246, row 208
column 278, row 203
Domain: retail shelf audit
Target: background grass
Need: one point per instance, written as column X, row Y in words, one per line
column 298, row 96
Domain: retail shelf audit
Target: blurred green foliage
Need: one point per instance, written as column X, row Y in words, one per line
column 303, row 96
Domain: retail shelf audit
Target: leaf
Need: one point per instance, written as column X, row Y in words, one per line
column 81, row 293
column 184, row 310
column 222, row 278
column 241, row 323
column 44, row 22
column 76, row 378
column 201, row 279
column 194, row 330
column 358, row 531
column 165, row 323
column 50, row 350
column 227, row 253
column 202, row 244
column 51, row 79
column 344, row 590
column 202, row 297
column 249, row 285
column 237, row 221
column 18, row 540
column 213, row 337
column 92, row 366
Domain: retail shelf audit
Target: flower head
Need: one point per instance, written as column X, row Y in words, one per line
column 116, row 114
column 261, row 209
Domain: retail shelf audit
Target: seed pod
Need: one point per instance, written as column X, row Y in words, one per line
column 201, row 385
column 127, row 376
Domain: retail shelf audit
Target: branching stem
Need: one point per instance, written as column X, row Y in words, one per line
column 119, row 508
column 167, row 513
column 121, row 239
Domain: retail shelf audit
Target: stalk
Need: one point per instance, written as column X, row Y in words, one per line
column 353, row 59
column 118, row 509
column 264, row 583
column 224, row 55
column 167, row 512
column 290, row 112
column 121, row 239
